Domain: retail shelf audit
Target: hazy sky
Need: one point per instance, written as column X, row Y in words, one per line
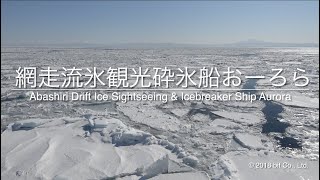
column 159, row 22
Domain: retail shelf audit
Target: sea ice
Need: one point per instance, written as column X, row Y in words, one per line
column 246, row 118
column 28, row 123
column 249, row 141
column 128, row 136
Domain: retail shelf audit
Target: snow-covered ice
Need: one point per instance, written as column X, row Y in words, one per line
column 60, row 152
column 157, row 140
column 245, row 118
column 249, row 141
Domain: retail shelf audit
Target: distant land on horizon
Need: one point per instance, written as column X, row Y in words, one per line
column 248, row 43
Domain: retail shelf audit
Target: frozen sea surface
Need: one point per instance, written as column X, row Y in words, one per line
column 173, row 140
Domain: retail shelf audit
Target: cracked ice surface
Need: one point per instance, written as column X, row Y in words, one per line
column 174, row 140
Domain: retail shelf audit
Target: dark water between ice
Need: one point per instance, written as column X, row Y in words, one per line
column 272, row 112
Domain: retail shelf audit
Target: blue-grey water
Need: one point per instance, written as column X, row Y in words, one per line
column 272, row 113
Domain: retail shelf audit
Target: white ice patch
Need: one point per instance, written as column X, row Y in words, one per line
column 150, row 116
column 182, row 176
column 249, row 141
column 246, row 118
column 302, row 101
column 67, row 151
column 99, row 123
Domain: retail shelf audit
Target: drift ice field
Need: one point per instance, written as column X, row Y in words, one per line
column 162, row 140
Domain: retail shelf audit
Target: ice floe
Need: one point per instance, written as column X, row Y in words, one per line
column 246, row 118
column 67, row 151
column 249, row 141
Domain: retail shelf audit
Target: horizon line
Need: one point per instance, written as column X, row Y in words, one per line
column 249, row 41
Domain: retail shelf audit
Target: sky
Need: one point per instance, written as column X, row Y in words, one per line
column 188, row 22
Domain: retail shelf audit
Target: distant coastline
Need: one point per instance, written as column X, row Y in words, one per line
column 242, row 44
